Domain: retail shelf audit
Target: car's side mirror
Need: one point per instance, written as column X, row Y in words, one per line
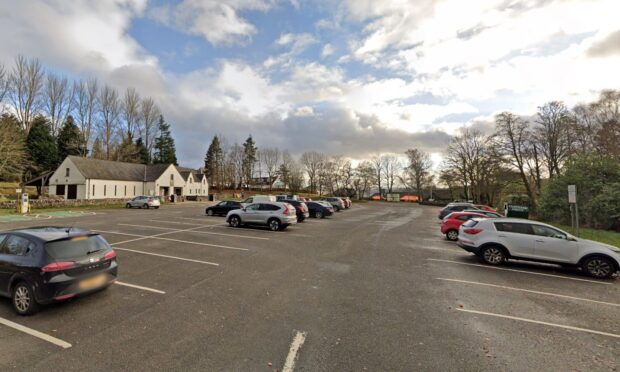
column 243, row 209
column 571, row 239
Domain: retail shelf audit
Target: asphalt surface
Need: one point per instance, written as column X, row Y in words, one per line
column 375, row 287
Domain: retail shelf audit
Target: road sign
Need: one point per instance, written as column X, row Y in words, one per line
column 18, row 191
column 572, row 194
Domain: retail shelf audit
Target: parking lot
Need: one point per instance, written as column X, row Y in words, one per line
column 375, row 287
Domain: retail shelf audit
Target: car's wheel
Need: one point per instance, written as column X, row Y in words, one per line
column 128, row 205
column 599, row 267
column 283, row 227
column 145, row 206
column 23, row 299
column 209, row 212
column 234, row 221
column 452, row 235
column 274, row 224
column 318, row 214
column 156, row 207
column 493, row 255
column 337, row 209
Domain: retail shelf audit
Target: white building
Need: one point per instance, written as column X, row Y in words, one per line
column 84, row 178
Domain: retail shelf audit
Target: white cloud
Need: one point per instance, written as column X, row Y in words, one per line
column 327, row 50
column 217, row 21
column 304, row 111
column 296, row 42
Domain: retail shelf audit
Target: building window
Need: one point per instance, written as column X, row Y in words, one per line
column 60, row 190
column 67, row 172
column 104, row 189
column 125, row 190
column 134, row 190
column 171, row 178
column 93, row 190
column 114, row 190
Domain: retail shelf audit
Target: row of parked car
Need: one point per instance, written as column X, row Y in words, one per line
column 276, row 212
column 495, row 239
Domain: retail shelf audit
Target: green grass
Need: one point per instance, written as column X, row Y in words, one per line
column 603, row 236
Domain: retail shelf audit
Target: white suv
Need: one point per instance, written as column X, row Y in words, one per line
column 275, row 215
column 498, row 239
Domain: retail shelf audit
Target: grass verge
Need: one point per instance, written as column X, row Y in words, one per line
column 603, row 236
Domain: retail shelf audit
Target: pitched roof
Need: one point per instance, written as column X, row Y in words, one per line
column 116, row 170
column 185, row 172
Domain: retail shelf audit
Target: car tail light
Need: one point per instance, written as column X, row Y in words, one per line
column 286, row 211
column 58, row 266
column 472, row 231
column 110, row 255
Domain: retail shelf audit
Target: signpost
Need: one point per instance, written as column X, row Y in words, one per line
column 572, row 200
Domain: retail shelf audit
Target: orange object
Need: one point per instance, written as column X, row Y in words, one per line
column 409, row 198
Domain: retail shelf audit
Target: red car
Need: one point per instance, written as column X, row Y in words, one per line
column 485, row 208
column 451, row 223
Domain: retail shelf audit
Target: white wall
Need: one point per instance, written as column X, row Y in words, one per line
column 109, row 185
column 60, row 178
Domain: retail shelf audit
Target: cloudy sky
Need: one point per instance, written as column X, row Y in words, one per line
column 344, row 77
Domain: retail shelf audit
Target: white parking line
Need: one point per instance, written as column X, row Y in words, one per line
column 283, row 233
column 439, row 249
column 540, row 322
column 180, row 223
column 194, row 232
column 298, row 341
column 140, row 287
column 529, row 291
column 35, row 333
column 170, row 239
column 156, row 235
column 518, row 271
column 166, row 256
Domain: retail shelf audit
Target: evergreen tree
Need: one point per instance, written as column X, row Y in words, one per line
column 165, row 151
column 249, row 158
column 41, row 147
column 98, row 152
column 69, row 140
column 127, row 150
column 142, row 152
column 213, row 162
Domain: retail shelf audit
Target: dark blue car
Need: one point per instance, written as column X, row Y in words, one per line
column 318, row 210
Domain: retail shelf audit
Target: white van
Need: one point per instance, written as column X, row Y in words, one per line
column 259, row 198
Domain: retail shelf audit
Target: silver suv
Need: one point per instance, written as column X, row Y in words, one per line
column 143, row 202
column 275, row 215
column 498, row 239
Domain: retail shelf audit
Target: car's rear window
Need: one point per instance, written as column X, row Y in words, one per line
column 470, row 223
column 75, row 247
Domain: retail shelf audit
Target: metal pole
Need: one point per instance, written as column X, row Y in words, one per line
column 572, row 217
column 577, row 219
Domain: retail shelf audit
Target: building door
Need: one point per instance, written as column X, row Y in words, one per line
column 71, row 191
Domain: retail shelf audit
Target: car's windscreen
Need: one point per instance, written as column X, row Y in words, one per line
column 75, row 247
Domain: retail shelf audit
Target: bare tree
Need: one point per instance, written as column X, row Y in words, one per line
column 4, row 86
column 110, row 111
column 512, row 143
column 391, row 167
column 86, row 108
column 607, row 112
column 131, row 112
column 417, row 171
column 270, row 157
column 312, row 163
column 26, row 81
column 149, row 114
column 57, row 100
column 554, row 135
column 377, row 163
column 363, row 178
column 285, row 168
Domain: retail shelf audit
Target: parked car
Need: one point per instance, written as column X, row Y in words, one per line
column 41, row 265
column 319, row 210
column 455, row 207
column 259, row 198
column 347, row 201
column 486, row 213
column 499, row 239
column 282, row 198
column 144, row 202
column 275, row 215
column 450, row 225
column 485, row 208
column 337, row 203
column 222, row 208
column 301, row 209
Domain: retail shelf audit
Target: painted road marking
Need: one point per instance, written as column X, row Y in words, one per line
column 529, row 291
column 540, row 322
column 140, row 287
column 283, row 233
column 291, row 358
column 179, row 223
column 440, row 249
column 166, row 256
column 518, row 271
column 194, row 232
column 172, row 240
column 151, row 236
column 35, row 333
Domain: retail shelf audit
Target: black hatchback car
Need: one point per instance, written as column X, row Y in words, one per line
column 318, row 210
column 455, row 207
column 222, row 208
column 42, row 265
